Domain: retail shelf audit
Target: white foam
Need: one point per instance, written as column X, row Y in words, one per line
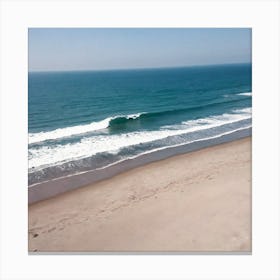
column 245, row 93
column 74, row 130
column 247, row 111
column 182, row 144
column 68, row 131
column 213, row 121
column 92, row 145
column 152, row 151
column 134, row 116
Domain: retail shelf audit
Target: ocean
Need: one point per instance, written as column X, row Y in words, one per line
column 89, row 120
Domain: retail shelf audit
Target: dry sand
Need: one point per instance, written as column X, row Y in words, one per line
column 200, row 201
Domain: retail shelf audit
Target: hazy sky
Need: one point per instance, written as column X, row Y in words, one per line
column 117, row 48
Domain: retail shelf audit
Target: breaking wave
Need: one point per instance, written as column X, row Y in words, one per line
column 115, row 123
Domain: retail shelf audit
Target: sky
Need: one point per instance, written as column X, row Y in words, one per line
column 66, row 49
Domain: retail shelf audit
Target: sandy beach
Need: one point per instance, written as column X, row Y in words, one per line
column 195, row 202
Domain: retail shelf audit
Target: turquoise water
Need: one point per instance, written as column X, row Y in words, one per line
column 83, row 120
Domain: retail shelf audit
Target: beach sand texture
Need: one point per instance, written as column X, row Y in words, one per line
column 195, row 202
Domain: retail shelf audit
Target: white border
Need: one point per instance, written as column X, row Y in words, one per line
column 262, row 16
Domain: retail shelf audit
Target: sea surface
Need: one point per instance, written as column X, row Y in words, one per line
column 87, row 120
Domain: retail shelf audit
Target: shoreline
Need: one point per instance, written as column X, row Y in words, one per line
column 186, row 203
column 48, row 189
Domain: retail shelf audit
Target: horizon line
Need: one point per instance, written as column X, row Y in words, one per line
column 138, row 68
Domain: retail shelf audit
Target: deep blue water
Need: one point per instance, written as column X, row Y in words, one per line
column 89, row 119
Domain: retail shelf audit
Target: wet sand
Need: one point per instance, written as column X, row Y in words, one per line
column 194, row 202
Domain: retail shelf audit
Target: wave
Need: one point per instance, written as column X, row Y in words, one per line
column 148, row 116
column 75, row 130
column 89, row 146
column 177, row 145
column 115, row 122
column 213, row 121
column 36, row 182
